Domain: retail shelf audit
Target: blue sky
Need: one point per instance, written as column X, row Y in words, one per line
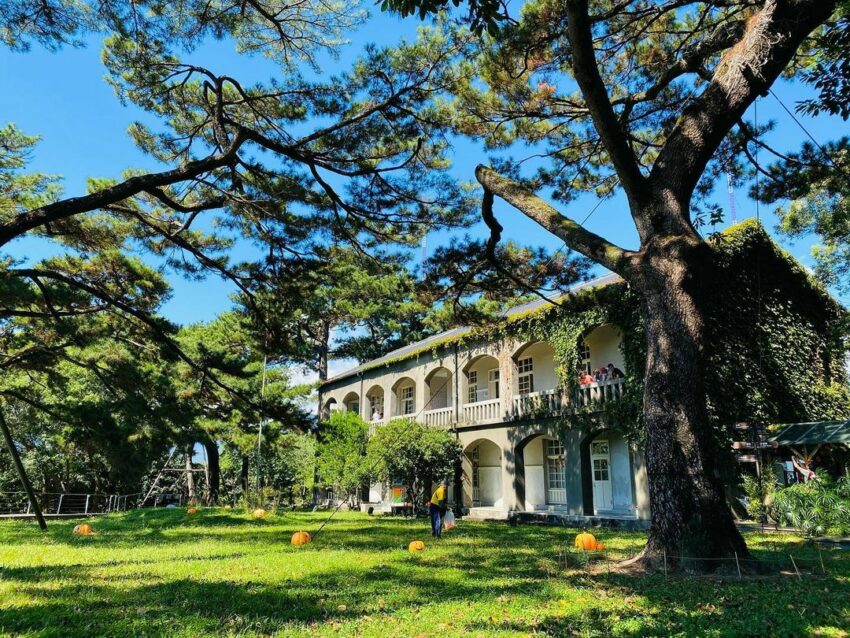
column 63, row 98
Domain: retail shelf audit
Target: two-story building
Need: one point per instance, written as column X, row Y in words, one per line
column 507, row 404
column 543, row 432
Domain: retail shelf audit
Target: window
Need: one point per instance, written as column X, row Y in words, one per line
column 525, row 367
column 473, row 386
column 556, row 481
column 408, row 403
column 600, row 469
column 493, row 383
column 584, row 356
column 599, row 451
column 354, row 406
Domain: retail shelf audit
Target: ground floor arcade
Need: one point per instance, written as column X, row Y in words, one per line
column 536, row 468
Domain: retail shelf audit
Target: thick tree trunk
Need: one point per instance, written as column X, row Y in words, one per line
column 190, row 477
column 213, row 472
column 244, row 476
column 22, row 473
column 690, row 517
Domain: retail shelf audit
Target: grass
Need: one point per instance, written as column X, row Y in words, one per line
column 160, row 572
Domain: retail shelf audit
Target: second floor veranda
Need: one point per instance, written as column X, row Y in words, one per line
column 486, row 384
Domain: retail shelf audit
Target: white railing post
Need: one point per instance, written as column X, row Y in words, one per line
column 86, row 511
column 59, row 507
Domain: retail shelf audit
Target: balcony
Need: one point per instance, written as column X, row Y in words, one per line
column 440, row 417
column 482, row 412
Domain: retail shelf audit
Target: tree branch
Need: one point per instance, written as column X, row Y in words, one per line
column 746, row 70
column 595, row 95
column 128, row 188
column 574, row 235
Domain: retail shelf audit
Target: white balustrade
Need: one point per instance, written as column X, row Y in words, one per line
column 543, row 403
column 601, row 392
column 482, row 411
column 441, row 417
column 373, row 425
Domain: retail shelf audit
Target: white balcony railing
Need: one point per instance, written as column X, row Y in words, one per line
column 543, row 403
column 601, row 392
column 441, row 417
column 536, row 404
column 482, row 411
column 374, row 424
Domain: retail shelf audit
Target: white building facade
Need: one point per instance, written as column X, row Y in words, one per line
column 508, row 407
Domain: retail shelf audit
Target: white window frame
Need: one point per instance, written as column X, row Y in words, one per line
column 493, row 383
column 555, row 456
column 472, row 386
column 408, row 400
column 525, row 378
column 584, row 356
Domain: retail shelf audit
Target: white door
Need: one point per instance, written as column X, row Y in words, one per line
column 600, row 460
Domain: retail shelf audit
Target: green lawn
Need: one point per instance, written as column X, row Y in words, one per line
column 221, row 573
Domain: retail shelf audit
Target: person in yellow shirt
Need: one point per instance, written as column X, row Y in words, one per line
column 437, row 509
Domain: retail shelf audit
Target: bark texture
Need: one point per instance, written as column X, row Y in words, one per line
column 213, row 472
column 690, row 516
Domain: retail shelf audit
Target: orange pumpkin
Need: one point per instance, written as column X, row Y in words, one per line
column 301, row 538
column 192, row 511
column 586, row 542
column 599, row 547
column 416, row 546
column 259, row 513
column 83, row 529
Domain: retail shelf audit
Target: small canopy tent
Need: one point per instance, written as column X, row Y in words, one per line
column 807, row 439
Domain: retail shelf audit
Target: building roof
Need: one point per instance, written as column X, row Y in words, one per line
column 814, row 433
column 418, row 346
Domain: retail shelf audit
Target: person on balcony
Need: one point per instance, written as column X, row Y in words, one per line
column 584, row 377
column 376, row 415
column 601, row 375
column 615, row 373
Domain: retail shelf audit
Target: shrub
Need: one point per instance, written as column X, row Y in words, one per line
column 815, row 508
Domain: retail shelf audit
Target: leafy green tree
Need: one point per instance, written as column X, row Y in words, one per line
column 341, row 452
column 251, row 392
column 414, row 454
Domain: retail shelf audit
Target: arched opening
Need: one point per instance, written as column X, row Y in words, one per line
column 536, row 387
column 375, row 401
column 482, row 468
column 481, row 390
column 404, row 397
column 542, row 473
column 439, row 393
column 601, row 365
column 351, row 402
column 607, row 475
column 329, row 406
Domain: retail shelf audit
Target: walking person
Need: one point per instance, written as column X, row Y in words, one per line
column 437, row 509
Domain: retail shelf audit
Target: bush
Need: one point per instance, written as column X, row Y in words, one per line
column 759, row 494
column 815, row 508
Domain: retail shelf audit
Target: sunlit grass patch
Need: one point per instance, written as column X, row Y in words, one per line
column 223, row 573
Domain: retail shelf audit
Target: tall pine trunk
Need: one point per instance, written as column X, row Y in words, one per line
column 244, row 476
column 213, row 472
column 690, row 516
column 190, row 477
